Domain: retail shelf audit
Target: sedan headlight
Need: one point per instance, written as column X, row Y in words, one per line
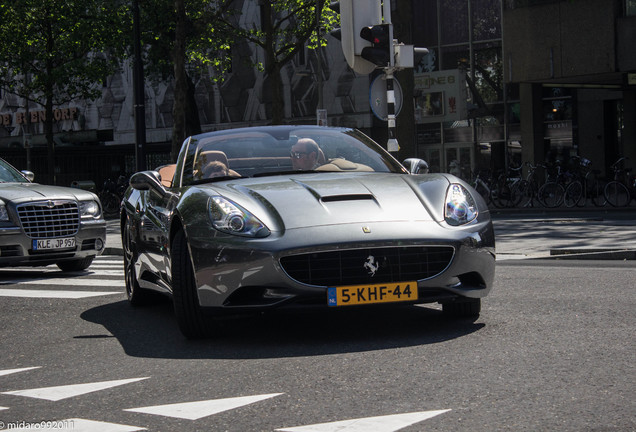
column 460, row 206
column 90, row 209
column 4, row 215
column 231, row 218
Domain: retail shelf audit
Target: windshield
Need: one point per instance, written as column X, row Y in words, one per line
column 254, row 152
column 8, row 174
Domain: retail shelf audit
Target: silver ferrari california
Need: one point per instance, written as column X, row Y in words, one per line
column 257, row 218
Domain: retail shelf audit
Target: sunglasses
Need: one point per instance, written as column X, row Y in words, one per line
column 298, row 155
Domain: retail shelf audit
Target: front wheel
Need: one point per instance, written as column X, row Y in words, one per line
column 193, row 323
column 617, row 194
column 573, row 194
column 551, row 195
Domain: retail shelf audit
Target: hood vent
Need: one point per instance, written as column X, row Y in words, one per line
column 349, row 197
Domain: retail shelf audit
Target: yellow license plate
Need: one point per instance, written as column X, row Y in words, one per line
column 370, row 294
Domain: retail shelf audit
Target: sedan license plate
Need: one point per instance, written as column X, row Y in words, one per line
column 370, row 294
column 52, row 244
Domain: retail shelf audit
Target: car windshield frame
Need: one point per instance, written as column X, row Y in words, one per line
column 280, row 150
column 9, row 174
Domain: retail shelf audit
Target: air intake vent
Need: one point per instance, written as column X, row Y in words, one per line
column 372, row 265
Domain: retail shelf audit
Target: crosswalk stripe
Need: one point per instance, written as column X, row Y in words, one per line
column 85, row 282
column 76, row 425
column 200, row 409
column 389, row 423
column 67, row 391
column 53, row 294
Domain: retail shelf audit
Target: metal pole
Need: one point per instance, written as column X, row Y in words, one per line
column 392, row 144
column 138, row 94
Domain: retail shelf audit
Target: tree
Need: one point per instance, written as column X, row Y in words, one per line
column 286, row 27
column 55, row 51
column 182, row 38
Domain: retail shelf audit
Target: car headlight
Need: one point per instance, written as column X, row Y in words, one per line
column 460, row 207
column 4, row 214
column 231, row 218
column 90, row 209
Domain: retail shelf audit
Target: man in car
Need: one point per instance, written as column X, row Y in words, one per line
column 306, row 155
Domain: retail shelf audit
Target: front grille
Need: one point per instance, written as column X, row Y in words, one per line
column 46, row 219
column 356, row 266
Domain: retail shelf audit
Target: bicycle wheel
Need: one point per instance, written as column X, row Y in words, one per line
column 110, row 203
column 595, row 193
column 573, row 194
column 617, row 194
column 551, row 194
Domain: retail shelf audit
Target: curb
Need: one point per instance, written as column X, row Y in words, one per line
column 593, row 254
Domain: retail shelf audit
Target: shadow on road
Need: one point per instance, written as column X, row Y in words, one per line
column 153, row 332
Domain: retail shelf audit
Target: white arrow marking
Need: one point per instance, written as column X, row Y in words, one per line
column 12, row 371
column 3, row 408
column 77, row 425
column 197, row 410
column 52, row 294
column 64, row 392
column 388, row 423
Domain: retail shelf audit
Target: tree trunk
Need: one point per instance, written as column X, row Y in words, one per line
column 180, row 81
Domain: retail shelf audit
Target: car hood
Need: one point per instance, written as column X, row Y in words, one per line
column 337, row 198
column 25, row 192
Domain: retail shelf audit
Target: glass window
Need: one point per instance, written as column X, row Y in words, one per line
column 486, row 19
column 453, row 57
column 630, row 7
column 489, row 72
column 425, row 24
column 454, row 23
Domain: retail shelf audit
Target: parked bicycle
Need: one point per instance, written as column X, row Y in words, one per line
column 112, row 194
column 482, row 184
column 585, row 187
column 616, row 191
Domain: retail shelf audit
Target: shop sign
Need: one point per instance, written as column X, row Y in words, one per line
column 22, row 117
column 440, row 96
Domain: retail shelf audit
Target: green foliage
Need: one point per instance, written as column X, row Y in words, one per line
column 57, row 50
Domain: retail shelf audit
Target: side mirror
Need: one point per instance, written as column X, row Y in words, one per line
column 28, row 175
column 416, row 166
column 148, row 180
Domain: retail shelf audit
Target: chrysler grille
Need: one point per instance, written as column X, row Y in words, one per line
column 47, row 219
column 352, row 267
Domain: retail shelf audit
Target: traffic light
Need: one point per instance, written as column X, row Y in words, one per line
column 379, row 53
column 355, row 14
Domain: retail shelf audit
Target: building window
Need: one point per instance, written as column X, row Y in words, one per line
column 630, row 7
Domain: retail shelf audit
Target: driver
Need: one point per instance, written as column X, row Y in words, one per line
column 305, row 154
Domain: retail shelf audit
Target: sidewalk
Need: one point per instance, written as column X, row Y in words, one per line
column 590, row 233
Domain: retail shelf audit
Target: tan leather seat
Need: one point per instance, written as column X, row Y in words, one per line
column 167, row 174
column 214, row 163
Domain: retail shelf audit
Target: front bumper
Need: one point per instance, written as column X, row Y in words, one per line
column 16, row 248
column 233, row 273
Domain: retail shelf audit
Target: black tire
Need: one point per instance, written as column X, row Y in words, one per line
column 465, row 308
column 551, row 195
column 193, row 323
column 76, row 265
column 574, row 194
column 617, row 194
column 137, row 296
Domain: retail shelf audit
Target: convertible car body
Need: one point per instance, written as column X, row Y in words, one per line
column 42, row 225
column 257, row 218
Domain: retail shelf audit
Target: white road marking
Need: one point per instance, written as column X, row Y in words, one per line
column 12, row 371
column 3, row 408
column 67, row 282
column 76, row 425
column 200, row 409
column 23, row 293
column 63, row 392
column 389, row 423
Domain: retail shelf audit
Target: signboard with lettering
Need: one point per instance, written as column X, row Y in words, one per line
column 440, row 96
